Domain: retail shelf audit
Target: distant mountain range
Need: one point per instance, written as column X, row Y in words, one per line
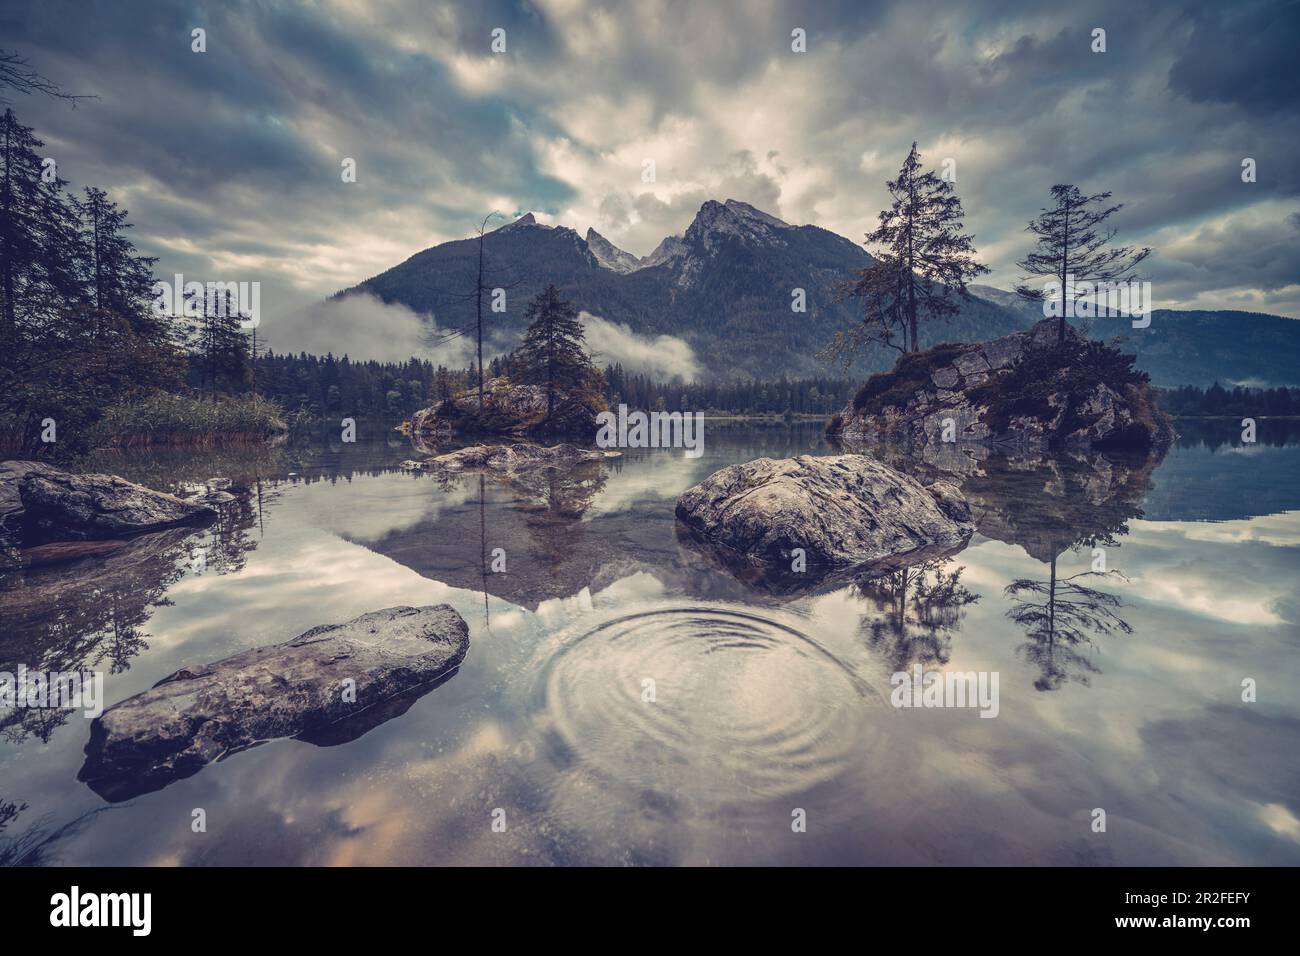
column 725, row 287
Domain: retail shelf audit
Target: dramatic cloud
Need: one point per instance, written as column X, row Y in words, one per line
column 230, row 160
column 362, row 326
column 662, row 356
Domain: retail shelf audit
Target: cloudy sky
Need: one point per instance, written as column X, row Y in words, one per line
column 230, row 161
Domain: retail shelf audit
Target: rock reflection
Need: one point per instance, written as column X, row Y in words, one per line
column 85, row 606
column 135, row 781
column 1046, row 503
column 537, row 520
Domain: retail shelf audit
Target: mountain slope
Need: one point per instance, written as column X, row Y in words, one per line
column 726, row 284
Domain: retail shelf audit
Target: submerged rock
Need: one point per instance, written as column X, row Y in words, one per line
column 842, row 511
column 1023, row 389
column 298, row 688
column 40, row 503
column 505, row 458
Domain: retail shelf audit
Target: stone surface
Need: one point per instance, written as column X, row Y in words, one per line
column 12, row 510
column 201, row 714
column 40, row 503
column 842, row 510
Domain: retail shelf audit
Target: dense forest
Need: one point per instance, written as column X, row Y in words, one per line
column 326, row 386
column 338, row 386
column 1190, row 401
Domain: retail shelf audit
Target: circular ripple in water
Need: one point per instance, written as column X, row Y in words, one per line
column 745, row 709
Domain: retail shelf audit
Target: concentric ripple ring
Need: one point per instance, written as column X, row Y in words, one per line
column 704, row 704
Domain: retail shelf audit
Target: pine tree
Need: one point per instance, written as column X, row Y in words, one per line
column 926, row 258
column 218, row 348
column 77, row 333
column 553, row 354
column 116, row 278
column 882, row 287
column 1072, row 246
column 38, row 233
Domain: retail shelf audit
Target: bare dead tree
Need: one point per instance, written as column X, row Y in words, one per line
column 17, row 74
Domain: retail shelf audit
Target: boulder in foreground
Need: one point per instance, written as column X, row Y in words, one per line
column 842, row 510
column 298, row 688
column 40, row 503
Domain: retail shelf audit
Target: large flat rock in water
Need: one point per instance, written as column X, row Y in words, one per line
column 42, row 503
column 299, row 688
column 842, row 510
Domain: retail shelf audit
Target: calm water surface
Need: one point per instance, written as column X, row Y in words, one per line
column 767, row 698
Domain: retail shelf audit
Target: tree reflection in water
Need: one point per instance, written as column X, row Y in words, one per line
column 64, row 612
column 922, row 608
column 1058, row 614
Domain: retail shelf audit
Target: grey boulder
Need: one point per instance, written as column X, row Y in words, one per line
column 298, row 688
column 842, row 510
column 41, row 503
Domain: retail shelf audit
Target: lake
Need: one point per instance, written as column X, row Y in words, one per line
column 628, row 699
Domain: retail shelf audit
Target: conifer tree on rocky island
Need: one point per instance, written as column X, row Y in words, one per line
column 553, row 353
column 924, row 262
column 1073, row 247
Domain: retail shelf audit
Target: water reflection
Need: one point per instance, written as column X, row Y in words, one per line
column 37, row 845
column 721, row 708
column 127, row 782
column 919, row 609
column 1058, row 616
column 1050, row 505
column 85, row 606
column 537, row 520
column 762, row 701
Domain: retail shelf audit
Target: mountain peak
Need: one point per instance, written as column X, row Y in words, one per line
column 609, row 255
column 747, row 211
column 717, row 220
column 671, row 247
column 527, row 219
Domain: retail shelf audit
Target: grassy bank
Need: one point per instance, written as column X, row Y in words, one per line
column 165, row 419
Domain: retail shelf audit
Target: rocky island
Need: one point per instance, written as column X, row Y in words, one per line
column 1024, row 389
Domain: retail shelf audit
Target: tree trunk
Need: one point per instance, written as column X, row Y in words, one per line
column 911, row 275
column 94, row 218
column 6, row 259
column 1051, row 606
column 478, row 305
column 1065, row 269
